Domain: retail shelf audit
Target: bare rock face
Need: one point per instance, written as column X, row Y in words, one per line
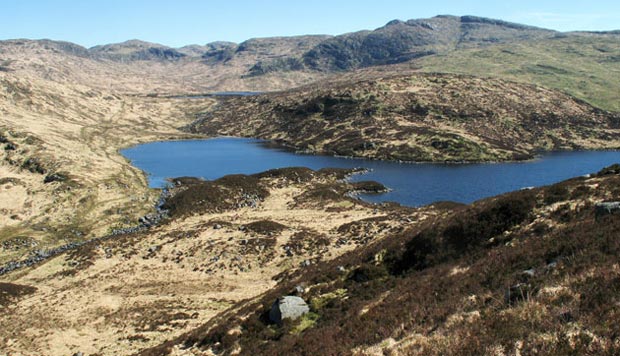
column 288, row 307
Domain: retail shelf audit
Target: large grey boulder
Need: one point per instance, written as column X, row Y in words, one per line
column 607, row 208
column 287, row 307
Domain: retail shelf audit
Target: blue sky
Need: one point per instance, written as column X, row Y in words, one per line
column 180, row 22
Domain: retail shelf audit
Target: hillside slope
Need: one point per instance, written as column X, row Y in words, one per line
column 419, row 117
column 584, row 65
column 136, row 67
column 225, row 241
column 62, row 179
column 529, row 272
column 400, row 41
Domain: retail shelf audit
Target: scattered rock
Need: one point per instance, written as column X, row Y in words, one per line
column 217, row 227
column 41, row 255
column 287, row 307
column 552, row 265
column 55, row 177
column 606, row 208
column 529, row 272
column 34, row 166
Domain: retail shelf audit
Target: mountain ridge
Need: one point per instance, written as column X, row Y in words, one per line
column 428, row 23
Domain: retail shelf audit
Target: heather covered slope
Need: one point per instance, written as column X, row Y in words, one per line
column 225, row 241
column 528, row 272
column 417, row 117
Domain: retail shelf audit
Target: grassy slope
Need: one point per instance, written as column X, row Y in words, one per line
column 75, row 131
column 586, row 66
column 121, row 295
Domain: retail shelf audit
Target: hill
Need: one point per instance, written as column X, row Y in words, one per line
column 225, row 241
column 584, row 65
column 528, row 272
column 401, row 41
column 136, row 67
column 466, row 45
column 418, row 117
column 134, row 50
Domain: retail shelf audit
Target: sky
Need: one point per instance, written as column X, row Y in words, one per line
column 181, row 22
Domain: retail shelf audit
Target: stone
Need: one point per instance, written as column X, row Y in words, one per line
column 288, row 307
column 606, row 208
column 552, row 265
column 54, row 177
column 529, row 272
column 217, row 227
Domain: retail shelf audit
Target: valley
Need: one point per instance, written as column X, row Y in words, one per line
column 524, row 272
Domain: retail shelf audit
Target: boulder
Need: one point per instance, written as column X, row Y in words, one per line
column 606, row 208
column 288, row 307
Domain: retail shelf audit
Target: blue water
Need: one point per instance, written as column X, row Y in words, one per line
column 412, row 184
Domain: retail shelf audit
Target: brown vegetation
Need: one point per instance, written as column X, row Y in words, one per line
column 418, row 117
column 10, row 293
column 502, row 274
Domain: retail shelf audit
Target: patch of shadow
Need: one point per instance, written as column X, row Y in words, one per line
column 10, row 292
column 265, row 227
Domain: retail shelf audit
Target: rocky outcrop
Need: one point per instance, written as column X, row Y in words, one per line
column 607, row 208
column 135, row 50
column 288, row 307
column 400, row 41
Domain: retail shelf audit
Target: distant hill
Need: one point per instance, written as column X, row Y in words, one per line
column 400, row 41
column 583, row 64
column 135, row 50
column 586, row 65
column 418, row 117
